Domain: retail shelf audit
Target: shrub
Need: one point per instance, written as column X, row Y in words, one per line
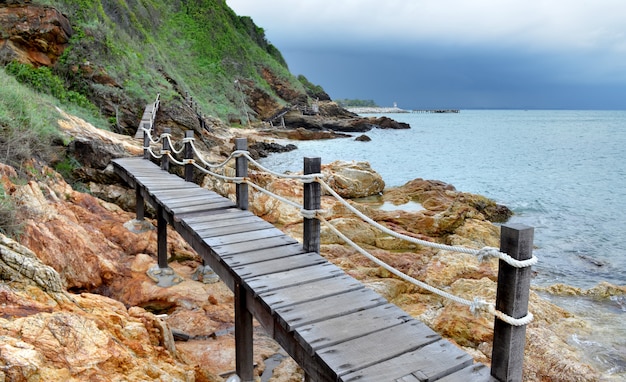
column 9, row 225
column 44, row 81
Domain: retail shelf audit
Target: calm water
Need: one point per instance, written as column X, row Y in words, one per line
column 562, row 172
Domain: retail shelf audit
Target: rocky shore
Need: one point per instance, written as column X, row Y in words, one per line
column 77, row 304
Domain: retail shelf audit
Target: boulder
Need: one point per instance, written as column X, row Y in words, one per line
column 353, row 179
column 32, row 34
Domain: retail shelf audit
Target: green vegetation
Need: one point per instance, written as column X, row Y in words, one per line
column 43, row 80
column 356, row 103
column 8, row 223
column 169, row 47
column 314, row 91
column 28, row 123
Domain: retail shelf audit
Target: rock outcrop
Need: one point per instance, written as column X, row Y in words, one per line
column 32, row 34
column 78, row 305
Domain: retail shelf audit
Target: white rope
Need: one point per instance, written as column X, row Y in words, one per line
column 304, row 178
column 477, row 306
column 207, row 164
column 172, row 146
column 273, row 195
column 157, row 156
column 174, row 160
column 149, row 133
column 231, row 179
column 482, row 253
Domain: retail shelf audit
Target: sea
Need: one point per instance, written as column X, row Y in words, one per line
column 562, row 172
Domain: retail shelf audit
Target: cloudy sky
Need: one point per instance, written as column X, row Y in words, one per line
column 522, row 54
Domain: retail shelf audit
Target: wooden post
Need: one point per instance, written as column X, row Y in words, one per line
column 146, row 142
column 507, row 358
column 165, row 160
column 312, row 201
column 241, row 170
column 161, row 237
column 188, row 155
column 243, row 336
column 140, row 208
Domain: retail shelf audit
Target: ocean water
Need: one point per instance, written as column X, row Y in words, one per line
column 562, row 172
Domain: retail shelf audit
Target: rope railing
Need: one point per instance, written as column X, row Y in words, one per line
column 515, row 254
column 477, row 305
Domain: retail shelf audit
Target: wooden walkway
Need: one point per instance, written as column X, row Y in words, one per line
column 333, row 326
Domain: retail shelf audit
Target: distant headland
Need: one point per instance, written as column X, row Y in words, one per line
column 395, row 109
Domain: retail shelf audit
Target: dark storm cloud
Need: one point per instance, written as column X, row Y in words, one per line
column 455, row 54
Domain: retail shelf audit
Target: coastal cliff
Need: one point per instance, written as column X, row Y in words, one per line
column 76, row 301
column 79, row 271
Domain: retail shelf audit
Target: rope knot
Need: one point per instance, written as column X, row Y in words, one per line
column 486, row 253
column 312, row 214
column 479, row 305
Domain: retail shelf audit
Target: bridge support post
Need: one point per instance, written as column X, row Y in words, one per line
column 244, row 351
column 146, row 140
column 241, row 170
column 140, row 205
column 507, row 358
column 165, row 160
column 161, row 238
column 312, row 201
column 188, row 155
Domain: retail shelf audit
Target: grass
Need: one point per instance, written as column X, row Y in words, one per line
column 28, row 122
column 202, row 46
column 8, row 215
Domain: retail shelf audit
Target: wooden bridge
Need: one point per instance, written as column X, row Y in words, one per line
column 333, row 326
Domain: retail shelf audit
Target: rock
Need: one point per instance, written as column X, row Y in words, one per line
column 438, row 196
column 19, row 263
column 263, row 149
column 388, row 123
column 363, row 138
column 353, row 179
column 32, row 34
column 302, row 134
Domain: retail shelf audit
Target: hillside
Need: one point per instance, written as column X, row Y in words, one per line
column 120, row 54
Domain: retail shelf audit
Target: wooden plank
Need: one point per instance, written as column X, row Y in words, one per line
column 205, row 207
column 279, row 265
column 233, row 228
column 192, row 220
column 271, row 242
column 196, row 196
column 408, row 378
column 241, row 237
column 477, row 372
column 428, row 363
column 304, row 292
column 324, row 309
column 231, row 219
column 264, row 254
column 164, row 186
column 371, row 349
column 181, row 193
column 278, row 280
column 322, row 334
column 190, row 203
column 194, row 217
